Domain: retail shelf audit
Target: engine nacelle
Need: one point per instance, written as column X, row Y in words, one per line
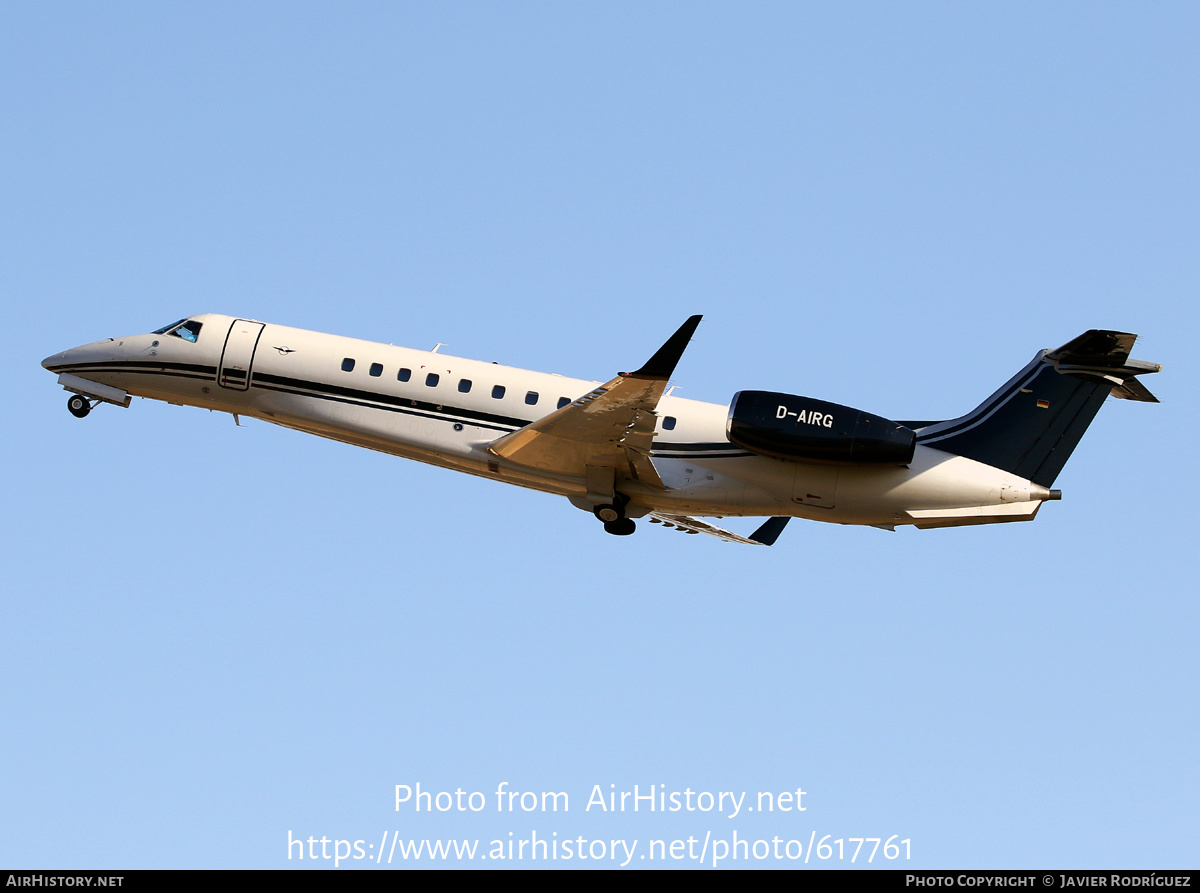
column 801, row 428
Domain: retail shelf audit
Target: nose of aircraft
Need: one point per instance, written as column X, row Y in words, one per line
column 56, row 361
column 99, row 351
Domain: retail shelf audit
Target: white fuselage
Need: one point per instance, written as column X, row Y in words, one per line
column 446, row 411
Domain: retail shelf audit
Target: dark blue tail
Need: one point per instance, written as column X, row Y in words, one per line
column 1031, row 425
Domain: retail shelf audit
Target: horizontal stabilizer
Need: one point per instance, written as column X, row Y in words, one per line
column 1104, row 356
column 1133, row 389
column 1095, row 347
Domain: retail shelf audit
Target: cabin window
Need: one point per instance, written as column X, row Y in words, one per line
column 498, row 392
column 531, row 397
column 464, row 385
column 669, row 423
column 404, row 375
column 563, row 401
column 432, row 379
column 348, row 364
column 376, row 369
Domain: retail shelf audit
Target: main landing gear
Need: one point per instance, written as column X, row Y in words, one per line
column 78, row 405
column 614, row 520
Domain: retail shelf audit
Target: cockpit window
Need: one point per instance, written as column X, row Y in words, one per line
column 187, row 329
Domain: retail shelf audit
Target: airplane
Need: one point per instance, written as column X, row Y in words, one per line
column 627, row 449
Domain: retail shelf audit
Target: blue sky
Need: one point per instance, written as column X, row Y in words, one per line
column 216, row 636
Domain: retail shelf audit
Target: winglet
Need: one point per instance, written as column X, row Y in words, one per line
column 769, row 531
column 662, row 364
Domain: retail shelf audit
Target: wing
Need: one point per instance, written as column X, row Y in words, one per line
column 764, row 536
column 610, row 428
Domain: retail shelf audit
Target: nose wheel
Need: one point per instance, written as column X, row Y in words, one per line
column 78, row 406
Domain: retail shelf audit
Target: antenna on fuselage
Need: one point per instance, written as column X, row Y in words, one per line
column 436, row 346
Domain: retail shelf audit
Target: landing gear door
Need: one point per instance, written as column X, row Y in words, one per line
column 233, row 372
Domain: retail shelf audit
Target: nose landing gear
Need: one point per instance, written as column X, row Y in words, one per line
column 78, row 405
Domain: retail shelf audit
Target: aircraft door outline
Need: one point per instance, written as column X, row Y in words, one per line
column 237, row 357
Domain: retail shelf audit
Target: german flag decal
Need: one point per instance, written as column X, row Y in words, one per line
column 1043, row 404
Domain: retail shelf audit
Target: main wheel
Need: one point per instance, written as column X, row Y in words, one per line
column 620, row 527
column 608, row 513
column 78, row 406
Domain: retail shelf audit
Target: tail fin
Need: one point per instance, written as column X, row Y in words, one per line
column 1032, row 424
